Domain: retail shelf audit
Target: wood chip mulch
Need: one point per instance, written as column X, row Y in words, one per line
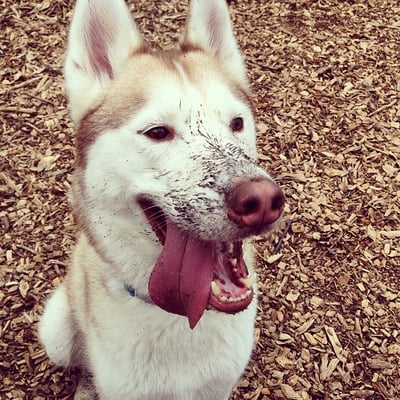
column 326, row 79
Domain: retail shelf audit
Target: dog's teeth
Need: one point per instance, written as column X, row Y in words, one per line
column 225, row 299
column 216, row 290
column 233, row 261
column 250, row 280
column 230, row 248
column 247, row 294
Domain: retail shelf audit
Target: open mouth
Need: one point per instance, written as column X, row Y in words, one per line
column 231, row 287
column 192, row 275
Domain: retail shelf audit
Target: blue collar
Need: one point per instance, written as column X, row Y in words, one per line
column 132, row 292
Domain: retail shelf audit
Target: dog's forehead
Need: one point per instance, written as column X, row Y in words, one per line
column 173, row 77
column 203, row 72
column 166, row 81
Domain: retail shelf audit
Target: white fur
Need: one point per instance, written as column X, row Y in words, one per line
column 56, row 329
column 135, row 350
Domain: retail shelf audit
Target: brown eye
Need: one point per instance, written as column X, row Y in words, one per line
column 236, row 124
column 159, row 133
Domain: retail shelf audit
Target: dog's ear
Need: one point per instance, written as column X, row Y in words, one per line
column 209, row 27
column 101, row 38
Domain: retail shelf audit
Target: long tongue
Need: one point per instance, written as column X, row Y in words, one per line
column 181, row 279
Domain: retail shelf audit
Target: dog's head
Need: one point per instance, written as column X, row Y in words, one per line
column 166, row 156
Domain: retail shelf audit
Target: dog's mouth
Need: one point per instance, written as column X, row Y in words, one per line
column 192, row 274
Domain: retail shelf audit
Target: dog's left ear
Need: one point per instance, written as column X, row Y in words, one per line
column 209, row 28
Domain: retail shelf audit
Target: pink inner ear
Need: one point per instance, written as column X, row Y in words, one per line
column 99, row 39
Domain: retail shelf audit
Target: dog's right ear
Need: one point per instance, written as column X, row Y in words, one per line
column 102, row 37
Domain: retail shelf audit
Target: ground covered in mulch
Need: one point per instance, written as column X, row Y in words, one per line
column 326, row 79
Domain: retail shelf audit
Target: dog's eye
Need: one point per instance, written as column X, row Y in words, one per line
column 159, row 133
column 237, row 124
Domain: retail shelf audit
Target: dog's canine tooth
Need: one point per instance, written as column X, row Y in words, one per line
column 216, row 290
column 247, row 294
column 229, row 248
column 233, row 261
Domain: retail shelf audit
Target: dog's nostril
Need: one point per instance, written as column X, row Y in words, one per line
column 251, row 206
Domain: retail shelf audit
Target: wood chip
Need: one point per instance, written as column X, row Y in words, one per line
column 326, row 83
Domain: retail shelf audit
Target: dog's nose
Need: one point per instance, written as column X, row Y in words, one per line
column 255, row 203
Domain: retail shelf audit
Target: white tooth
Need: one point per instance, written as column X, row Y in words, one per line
column 215, row 288
column 250, row 280
column 230, row 248
column 223, row 298
column 233, row 261
column 231, row 299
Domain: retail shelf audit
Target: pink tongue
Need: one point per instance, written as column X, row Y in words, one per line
column 181, row 279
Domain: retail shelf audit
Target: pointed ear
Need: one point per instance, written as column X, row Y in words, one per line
column 209, row 27
column 101, row 39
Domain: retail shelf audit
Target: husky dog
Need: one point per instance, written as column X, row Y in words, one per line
column 160, row 298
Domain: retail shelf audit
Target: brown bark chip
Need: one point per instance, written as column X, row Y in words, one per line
column 326, row 80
